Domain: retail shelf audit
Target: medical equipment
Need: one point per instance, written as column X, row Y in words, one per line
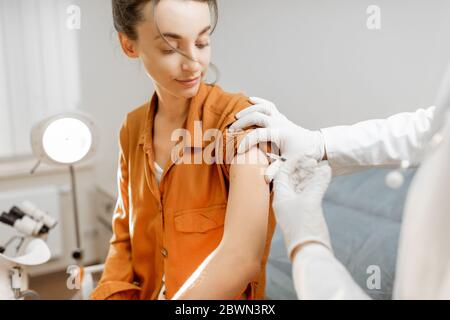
column 65, row 139
column 33, row 224
column 18, row 220
column 31, row 210
column 28, row 220
column 13, row 276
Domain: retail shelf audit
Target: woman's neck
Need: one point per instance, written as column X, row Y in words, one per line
column 171, row 108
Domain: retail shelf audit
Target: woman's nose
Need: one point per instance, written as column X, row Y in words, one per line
column 190, row 64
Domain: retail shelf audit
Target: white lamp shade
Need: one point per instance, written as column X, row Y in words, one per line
column 64, row 139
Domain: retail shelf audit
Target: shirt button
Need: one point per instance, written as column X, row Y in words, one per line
column 164, row 252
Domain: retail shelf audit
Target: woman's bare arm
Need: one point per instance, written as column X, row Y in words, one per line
column 236, row 262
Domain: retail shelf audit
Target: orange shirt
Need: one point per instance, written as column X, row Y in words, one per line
column 172, row 227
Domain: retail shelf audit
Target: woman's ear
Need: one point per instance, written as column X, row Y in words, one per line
column 128, row 46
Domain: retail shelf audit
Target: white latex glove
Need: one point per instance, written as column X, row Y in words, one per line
column 299, row 187
column 290, row 138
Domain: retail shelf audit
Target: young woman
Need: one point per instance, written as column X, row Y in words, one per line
column 171, row 216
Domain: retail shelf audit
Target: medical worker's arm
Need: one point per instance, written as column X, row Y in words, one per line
column 318, row 275
column 348, row 149
column 237, row 261
column 300, row 185
column 117, row 279
column 378, row 143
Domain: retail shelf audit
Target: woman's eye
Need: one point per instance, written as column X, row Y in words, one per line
column 171, row 51
column 202, row 45
column 168, row 51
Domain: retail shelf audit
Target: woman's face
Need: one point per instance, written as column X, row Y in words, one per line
column 186, row 25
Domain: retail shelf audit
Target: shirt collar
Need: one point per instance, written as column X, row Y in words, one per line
column 194, row 124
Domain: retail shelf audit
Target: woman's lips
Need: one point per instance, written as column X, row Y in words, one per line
column 188, row 83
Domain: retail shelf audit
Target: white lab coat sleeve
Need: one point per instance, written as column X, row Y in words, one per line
column 318, row 275
column 377, row 143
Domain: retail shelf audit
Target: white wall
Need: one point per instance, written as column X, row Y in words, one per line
column 321, row 64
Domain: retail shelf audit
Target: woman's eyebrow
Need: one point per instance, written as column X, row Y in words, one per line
column 178, row 37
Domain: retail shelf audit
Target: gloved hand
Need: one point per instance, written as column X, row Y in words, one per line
column 290, row 138
column 299, row 187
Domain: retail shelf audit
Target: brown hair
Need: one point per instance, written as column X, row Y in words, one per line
column 127, row 14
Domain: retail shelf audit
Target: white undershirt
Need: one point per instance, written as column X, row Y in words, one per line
column 159, row 172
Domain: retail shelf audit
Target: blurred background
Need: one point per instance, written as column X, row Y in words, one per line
column 317, row 60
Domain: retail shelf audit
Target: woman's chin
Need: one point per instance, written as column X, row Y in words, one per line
column 188, row 93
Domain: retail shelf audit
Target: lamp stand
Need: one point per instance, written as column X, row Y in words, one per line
column 77, row 254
